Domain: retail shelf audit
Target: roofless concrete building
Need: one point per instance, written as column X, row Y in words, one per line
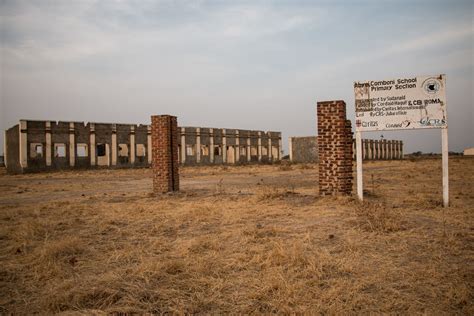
column 49, row 145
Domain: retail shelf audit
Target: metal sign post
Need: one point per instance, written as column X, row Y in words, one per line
column 360, row 190
column 444, row 158
column 401, row 104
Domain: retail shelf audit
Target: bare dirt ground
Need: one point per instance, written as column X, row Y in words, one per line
column 251, row 239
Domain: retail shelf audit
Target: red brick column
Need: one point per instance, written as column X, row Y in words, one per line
column 164, row 140
column 335, row 149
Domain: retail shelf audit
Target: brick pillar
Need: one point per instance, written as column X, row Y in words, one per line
column 164, row 139
column 335, row 149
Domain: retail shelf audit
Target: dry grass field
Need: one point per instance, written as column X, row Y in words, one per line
column 250, row 239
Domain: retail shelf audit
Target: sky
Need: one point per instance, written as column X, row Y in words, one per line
column 260, row 65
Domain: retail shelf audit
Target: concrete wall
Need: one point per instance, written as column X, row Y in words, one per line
column 303, row 149
column 12, row 154
column 48, row 145
column 469, row 152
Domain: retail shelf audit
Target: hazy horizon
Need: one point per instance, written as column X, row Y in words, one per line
column 248, row 65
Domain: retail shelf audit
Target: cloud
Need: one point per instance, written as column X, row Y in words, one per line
column 434, row 43
column 34, row 35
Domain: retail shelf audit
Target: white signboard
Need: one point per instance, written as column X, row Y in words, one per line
column 400, row 104
column 404, row 103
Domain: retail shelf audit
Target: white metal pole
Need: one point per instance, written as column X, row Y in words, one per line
column 445, row 153
column 359, row 165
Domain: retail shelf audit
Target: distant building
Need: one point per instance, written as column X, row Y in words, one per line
column 469, row 151
column 48, row 145
column 305, row 149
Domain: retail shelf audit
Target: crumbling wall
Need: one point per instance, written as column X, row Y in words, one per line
column 303, row 149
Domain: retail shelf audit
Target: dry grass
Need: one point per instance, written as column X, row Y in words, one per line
column 246, row 239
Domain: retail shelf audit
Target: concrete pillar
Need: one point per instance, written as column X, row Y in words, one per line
column 23, row 144
column 394, row 149
column 132, row 144
column 290, row 147
column 387, row 150
column 270, row 154
column 72, row 145
column 183, row 145
column 114, row 145
column 379, row 149
column 149, row 144
column 259, row 146
column 369, row 149
column 5, row 149
column 198, row 145
column 92, row 143
column 164, row 133
column 249, row 154
column 382, row 149
column 237, row 147
column 279, row 148
column 211, row 145
column 48, row 149
column 374, row 149
column 224, row 147
column 390, row 149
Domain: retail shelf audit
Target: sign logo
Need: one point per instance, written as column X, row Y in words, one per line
column 426, row 121
column 431, row 86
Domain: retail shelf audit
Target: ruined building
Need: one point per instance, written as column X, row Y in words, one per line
column 305, row 149
column 48, row 145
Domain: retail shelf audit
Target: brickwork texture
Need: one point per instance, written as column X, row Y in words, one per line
column 164, row 138
column 335, row 149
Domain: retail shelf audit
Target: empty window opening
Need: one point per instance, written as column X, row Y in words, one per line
column 264, row 151
column 205, row 150
column 243, row 151
column 100, row 150
column 190, row 150
column 36, row 150
column 81, row 150
column 253, row 151
column 59, row 150
column 123, row 150
column 217, row 150
column 141, row 151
